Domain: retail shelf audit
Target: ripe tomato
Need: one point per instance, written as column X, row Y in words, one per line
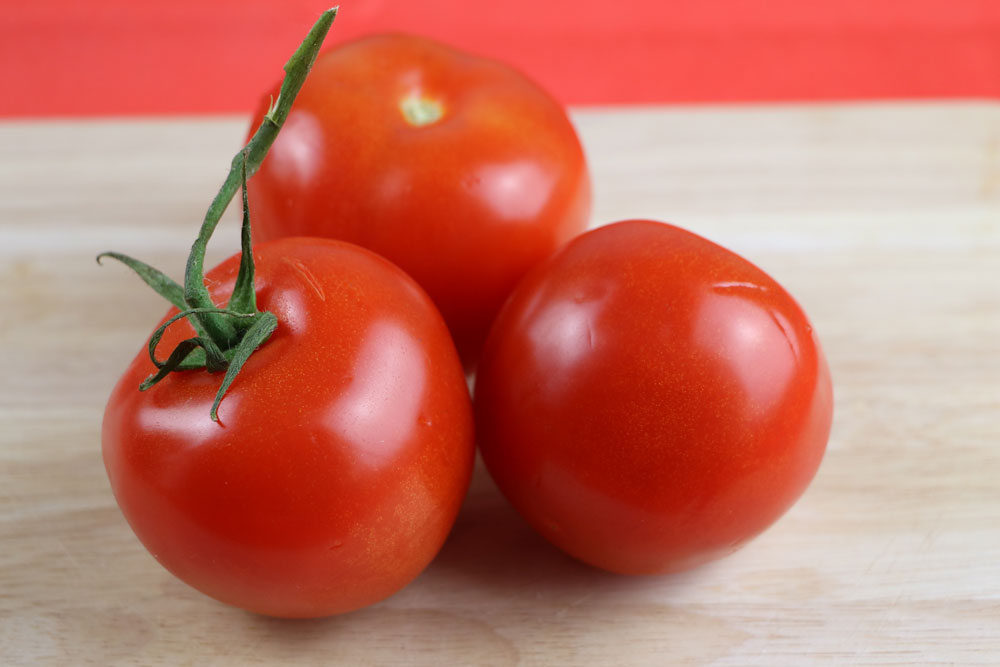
column 458, row 169
column 649, row 400
column 343, row 451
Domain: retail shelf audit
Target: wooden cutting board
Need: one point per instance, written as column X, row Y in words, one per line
column 884, row 222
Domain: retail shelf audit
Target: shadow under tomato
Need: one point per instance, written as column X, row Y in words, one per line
column 492, row 547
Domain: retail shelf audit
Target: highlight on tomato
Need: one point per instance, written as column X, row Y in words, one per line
column 457, row 168
column 650, row 401
column 303, row 449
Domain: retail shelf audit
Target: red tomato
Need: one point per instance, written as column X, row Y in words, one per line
column 458, row 169
column 649, row 400
column 343, row 451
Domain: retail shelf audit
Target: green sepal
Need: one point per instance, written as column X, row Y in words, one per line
column 255, row 336
column 215, row 360
column 244, row 297
column 161, row 283
column 174, row 361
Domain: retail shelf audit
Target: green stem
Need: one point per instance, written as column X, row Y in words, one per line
column 227, row 337
column 195, row 293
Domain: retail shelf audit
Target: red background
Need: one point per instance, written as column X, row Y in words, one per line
column 65, row 57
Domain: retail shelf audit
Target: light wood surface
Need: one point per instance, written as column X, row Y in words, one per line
column 884, row 222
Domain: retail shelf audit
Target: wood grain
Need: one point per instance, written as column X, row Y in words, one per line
column 883, row 220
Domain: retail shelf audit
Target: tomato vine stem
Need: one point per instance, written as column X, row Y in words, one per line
column 244, row 165
column 227, row 337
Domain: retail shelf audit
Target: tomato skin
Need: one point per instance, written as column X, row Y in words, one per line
column 343, row 452
column 465, row 204
column 649, row 400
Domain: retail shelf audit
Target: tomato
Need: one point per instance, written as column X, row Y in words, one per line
column 458, row 169
column 649, row 400
column 343, row 448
